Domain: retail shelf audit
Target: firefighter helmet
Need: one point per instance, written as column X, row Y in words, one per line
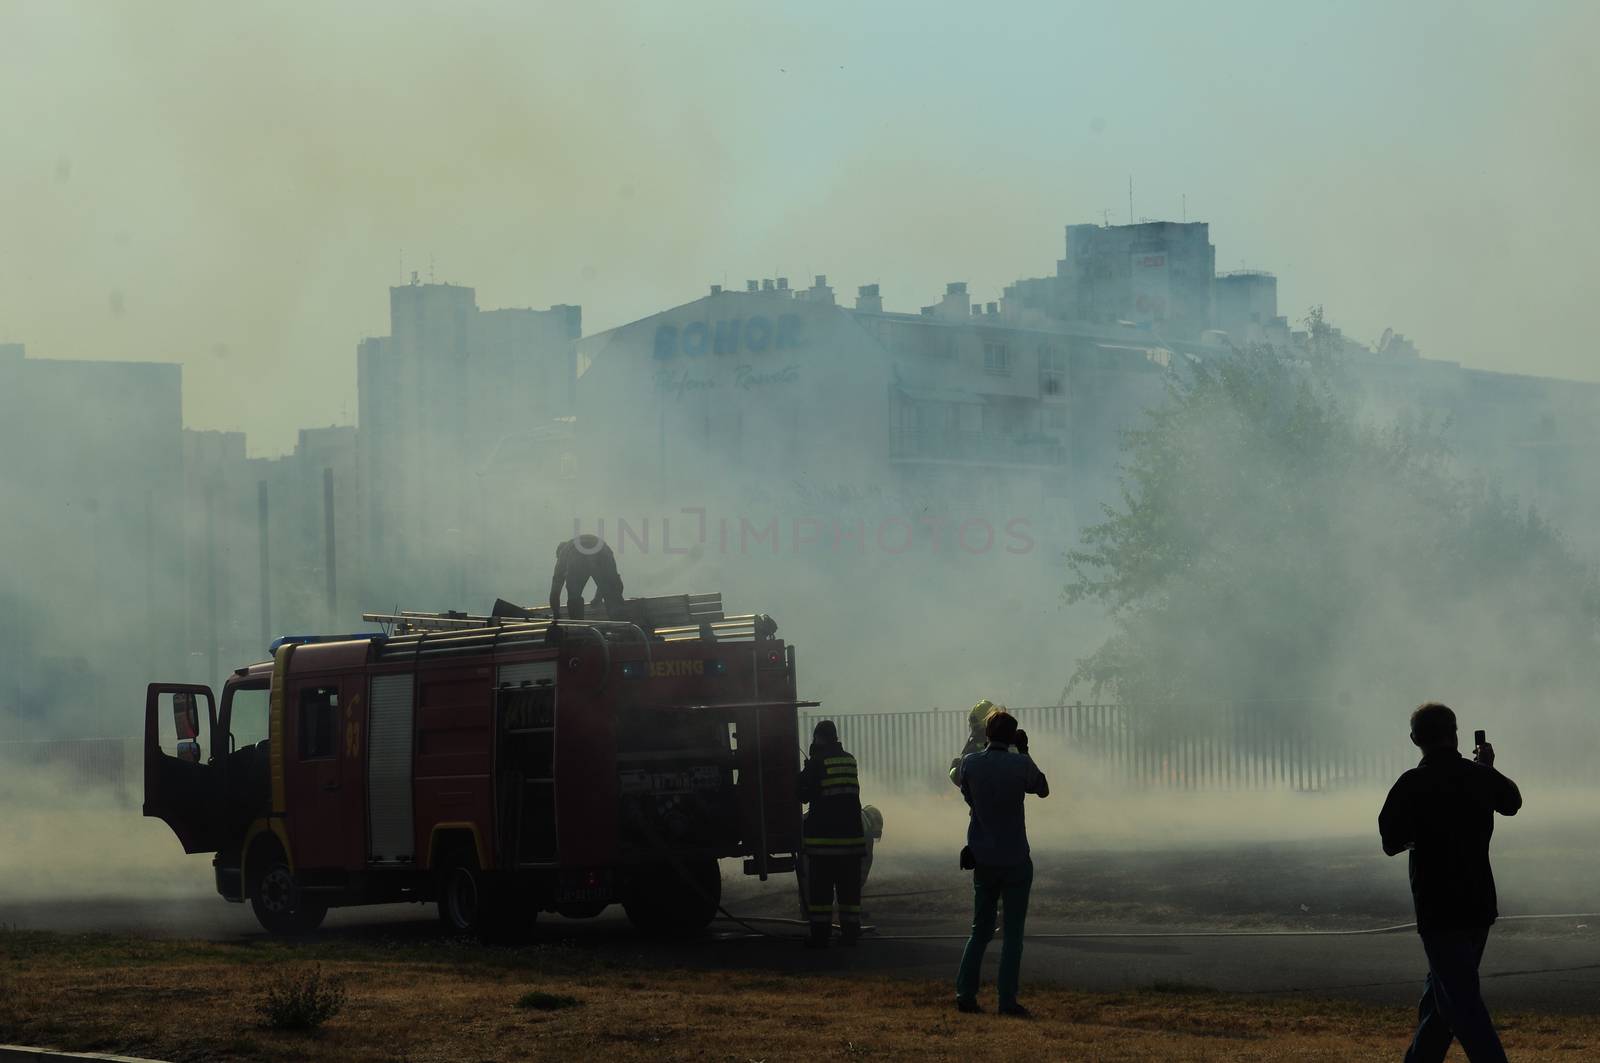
column 980, row 712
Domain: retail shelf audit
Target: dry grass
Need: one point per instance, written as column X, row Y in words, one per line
column 438, row 1001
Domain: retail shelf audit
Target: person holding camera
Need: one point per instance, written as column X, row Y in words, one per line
column 1442, row 812
column 994, row 782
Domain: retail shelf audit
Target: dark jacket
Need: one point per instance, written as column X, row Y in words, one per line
column 577, row 562
column 829, row 784
column 994, row 782
column 1443, row 809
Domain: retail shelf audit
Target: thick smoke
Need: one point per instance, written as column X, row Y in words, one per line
column 1285, row 544
column 286, row 193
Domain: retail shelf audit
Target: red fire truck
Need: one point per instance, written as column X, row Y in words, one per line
column 496, row 766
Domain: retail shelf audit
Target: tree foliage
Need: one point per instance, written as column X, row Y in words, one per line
column 1270, row 545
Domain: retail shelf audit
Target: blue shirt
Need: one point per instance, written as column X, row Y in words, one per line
column 994, row 782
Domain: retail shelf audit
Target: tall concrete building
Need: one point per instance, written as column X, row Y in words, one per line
column 265, row 552
column 92, row 522
column 1154, row 274
column 1246, row 308
column 876, row 473
column 956, row 409
column 448, row 389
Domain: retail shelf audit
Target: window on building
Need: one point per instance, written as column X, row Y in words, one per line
column 996, row 358
column 1052, row 372
column 999, row 422
column 319, row 722
column 1056, row 418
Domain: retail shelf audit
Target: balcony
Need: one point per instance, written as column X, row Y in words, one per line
column 974, row 448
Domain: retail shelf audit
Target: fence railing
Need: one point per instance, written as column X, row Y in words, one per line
column 1224, row 748
column 51, row 769
column 1221, row 749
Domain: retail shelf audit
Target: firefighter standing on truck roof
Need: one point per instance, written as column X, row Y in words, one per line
column 578, row 560
column 975, row 737
column 832, row 839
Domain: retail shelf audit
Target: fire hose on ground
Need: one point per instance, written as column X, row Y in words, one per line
column 1089, row 935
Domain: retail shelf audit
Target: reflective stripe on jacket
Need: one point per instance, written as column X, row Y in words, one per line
column 831, row 785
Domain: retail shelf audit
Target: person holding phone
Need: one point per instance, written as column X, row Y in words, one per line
column 1442, row 812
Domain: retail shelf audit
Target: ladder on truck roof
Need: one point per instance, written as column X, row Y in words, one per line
column 665, row 610
column 669, row 618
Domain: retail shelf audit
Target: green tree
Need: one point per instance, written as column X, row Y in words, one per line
column 1269, row 545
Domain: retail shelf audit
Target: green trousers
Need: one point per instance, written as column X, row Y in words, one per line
column 1006, row 887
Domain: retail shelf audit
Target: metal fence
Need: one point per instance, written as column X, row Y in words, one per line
column 1229, row 748
column 1224, row 749
column 94, row 767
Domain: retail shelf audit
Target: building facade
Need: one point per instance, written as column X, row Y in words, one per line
column 442, row 397
column 1157, row 275
column 93, row 530
column 786, row 449
column 908, row 482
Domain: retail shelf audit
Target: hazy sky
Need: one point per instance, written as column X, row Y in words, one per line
column 234, row 187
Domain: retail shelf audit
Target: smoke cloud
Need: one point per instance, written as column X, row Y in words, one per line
column 234, row 191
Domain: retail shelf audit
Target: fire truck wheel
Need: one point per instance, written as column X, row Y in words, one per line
column 281, row 907
column 700, row 896
column 462, row 893
column 675, row 899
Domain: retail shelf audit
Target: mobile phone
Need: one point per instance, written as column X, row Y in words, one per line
column 1478, row 739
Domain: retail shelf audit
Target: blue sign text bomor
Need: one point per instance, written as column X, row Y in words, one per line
column 751, row 335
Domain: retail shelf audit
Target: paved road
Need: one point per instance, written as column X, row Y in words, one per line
column 1532, row 966
column 1536, row 970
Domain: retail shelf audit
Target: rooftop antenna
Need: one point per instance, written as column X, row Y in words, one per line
column 430, row 269
column 1105, row 217
column 1130, row 199
column 402, row 265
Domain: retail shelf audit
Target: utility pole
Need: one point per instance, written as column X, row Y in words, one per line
column 327, row 518
column 266, row 566
column 211, row 584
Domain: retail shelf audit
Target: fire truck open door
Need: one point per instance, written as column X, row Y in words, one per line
column 182, row 776
column 768, row 780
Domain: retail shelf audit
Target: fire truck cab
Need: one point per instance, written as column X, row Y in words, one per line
column 496, row 766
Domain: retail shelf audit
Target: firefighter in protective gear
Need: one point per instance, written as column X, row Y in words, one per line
column 832, row 839
column 872, row 832
column 578, row 560
column 975, row 737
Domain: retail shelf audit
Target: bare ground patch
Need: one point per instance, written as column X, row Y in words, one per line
column 445, row 1002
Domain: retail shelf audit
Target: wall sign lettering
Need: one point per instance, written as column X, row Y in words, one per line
column 740, row 335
